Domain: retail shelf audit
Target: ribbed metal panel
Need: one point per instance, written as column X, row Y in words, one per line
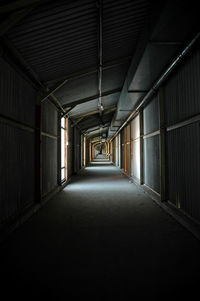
column 122, row 25
column 152, row 162
column 14, row 103
column 49, row 164
column 183, row 157
column 49, row 118
column 151, row 116
column 16, row 170
column 58, row 38
column 182, row 91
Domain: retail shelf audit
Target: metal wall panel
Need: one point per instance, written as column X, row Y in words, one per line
column 135, row 159
column 151, row 116
column 122, row 149
column 49, row 118
column 183, row 156
column 114, row 150
column 128, row 149
column 17, row 97
column 135, row 147
column 182, row 91
column 152, row 162
column 16, row 170
column 17, row 146
column 135, row 128
column 49, row 164
column 77, row 150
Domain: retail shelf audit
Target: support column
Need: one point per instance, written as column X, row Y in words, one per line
column 163, row 195
column 59, row 150
column 38, row 151
column 141, row 147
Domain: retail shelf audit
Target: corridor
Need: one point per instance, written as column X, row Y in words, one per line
column 101, row 237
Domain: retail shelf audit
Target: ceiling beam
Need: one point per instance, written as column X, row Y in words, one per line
column 77, row 121
column 100, row 55
column 83, row 100
column 97, row 128
column 90, row 70
column 106, row 111
column 49, row 93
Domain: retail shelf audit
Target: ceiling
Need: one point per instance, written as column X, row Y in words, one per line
column 90, row 52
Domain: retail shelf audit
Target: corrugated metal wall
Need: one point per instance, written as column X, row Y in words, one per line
column 49, row 147
column 180, row 159
column 16, row 142
column 151, row 144
column 182, row 95
column 77, row 150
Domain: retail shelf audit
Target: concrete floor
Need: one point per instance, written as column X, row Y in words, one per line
column 101, row 237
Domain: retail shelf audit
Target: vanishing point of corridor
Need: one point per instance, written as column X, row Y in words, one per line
column 101, row 236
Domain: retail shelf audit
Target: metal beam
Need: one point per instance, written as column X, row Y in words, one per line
column 163, row 192
column 106, row 111
column 77, row 121
column 95, row 128
column 100, row 52
column 90, row 70
column 83, row 100
column 38, row 151
column 137, row 91
column 53, row 90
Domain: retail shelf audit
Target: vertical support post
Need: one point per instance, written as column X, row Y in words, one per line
column 141, row 147
column 119, row 149
column 59, row 150
column 38, row 150
column 162, row 146
column 66, row 148
column 75, row 150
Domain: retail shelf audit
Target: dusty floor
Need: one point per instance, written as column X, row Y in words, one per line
column 101, row 237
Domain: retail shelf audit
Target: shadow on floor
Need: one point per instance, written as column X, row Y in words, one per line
column 101, row 238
